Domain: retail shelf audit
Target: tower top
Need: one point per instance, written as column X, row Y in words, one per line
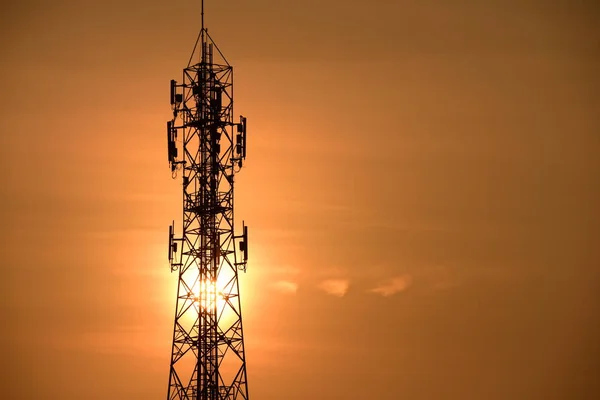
column 204, row 44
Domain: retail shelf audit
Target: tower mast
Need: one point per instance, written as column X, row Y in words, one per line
column 208, row 360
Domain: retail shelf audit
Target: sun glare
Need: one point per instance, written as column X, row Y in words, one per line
column 206, row 292
column 211, row 296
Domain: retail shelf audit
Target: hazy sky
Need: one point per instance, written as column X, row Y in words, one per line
column 422, row 189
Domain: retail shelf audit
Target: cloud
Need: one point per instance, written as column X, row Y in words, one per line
column 287, row 287
column 335, row 287
column 393, row 286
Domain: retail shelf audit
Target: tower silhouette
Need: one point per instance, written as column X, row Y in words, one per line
column 207, row 149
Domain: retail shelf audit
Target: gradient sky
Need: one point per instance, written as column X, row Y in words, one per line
column 422, row 189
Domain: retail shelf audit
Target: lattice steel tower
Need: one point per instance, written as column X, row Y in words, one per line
column 207, row 359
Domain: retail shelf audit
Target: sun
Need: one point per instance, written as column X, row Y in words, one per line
column 206, row 293
column 212, row 297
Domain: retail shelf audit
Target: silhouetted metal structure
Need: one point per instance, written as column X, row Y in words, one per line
column 207, row 359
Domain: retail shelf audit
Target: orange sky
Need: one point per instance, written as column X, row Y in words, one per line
column 422, row 190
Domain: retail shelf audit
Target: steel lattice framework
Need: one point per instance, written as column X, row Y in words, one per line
column 207, row 358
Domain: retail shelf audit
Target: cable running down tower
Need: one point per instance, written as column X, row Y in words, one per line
column 207, row 148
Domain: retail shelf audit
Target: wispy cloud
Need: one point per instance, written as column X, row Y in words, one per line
column 393, row 286
column 287, row 287
column 335, row 287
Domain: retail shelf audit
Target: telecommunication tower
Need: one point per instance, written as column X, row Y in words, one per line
column 207, row 148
